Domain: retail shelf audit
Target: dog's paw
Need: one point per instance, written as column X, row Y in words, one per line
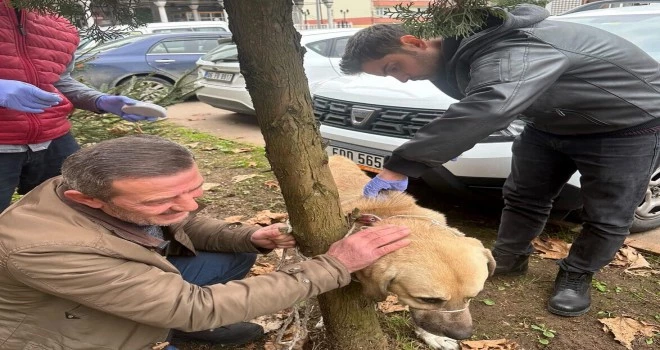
column 437, row 342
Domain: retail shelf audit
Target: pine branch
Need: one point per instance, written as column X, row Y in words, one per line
column 445, row 18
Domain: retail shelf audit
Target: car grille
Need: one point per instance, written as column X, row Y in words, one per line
column 385, row 120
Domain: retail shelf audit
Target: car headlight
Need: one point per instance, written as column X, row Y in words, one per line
column 514, row 129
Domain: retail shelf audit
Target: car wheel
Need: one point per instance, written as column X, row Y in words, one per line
column 647, row 214
column 148, row 89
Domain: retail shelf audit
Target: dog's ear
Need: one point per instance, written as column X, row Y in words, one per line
column 375, row 281
column 491, row 262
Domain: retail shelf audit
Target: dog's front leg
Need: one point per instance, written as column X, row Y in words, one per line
column 437, row 342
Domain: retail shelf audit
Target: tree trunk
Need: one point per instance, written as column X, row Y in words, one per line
column 271, row 57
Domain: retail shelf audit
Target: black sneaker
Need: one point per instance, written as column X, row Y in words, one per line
column 233, row 334
column 510, row 264
column 572, row 294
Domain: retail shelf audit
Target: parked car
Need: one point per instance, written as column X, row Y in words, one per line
column 366, row 117
column 88, row 42
column 223, row 86
column 606, row 4
column 157, row 60
column 184, row 26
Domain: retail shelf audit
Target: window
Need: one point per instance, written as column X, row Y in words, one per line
column 340, row 47
column 206, row 16
column 158, row 49
column 381, row 12
column 184, row 46
column 320, row 47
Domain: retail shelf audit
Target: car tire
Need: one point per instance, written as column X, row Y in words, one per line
column 147, row 89
column 647, row 214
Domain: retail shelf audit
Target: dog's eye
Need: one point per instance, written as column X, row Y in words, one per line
column 430, row 300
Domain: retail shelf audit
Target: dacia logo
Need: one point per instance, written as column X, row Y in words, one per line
column 361, row 116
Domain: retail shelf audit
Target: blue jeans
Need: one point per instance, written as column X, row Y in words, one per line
column 615, row 173
column 208, row 268
column 24, row 171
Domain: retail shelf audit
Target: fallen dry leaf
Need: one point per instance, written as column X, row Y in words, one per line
column 630, row 258
column 625, row 329
column 278, row 252
column 192, row 145
column 207, row 186
column 551, row 248
column 272, row 184
column 265, row 218
column 271, row 322
column 239, row 178
column 391, row 304
column 269, row 345
column 260, row 268
column 241, row 150
column 496, row 344
column 252, row 164
column 236, row 218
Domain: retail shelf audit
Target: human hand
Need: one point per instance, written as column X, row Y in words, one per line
column 25, row 97
column 113, row 104
column 386, row 180
column 271, row 237
column 363, row 248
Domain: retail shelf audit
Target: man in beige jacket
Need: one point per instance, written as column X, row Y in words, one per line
column 103, row 256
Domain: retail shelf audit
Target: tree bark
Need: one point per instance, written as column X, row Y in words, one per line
column 271, row 57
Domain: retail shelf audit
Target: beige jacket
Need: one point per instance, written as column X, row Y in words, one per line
column 78, row 280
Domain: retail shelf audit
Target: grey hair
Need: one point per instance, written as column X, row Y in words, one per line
column 371, row 43
column 92, row 169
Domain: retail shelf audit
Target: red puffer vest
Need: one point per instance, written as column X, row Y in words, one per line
column 37, row 51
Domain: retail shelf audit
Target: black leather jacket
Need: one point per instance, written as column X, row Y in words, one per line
column 562, row 78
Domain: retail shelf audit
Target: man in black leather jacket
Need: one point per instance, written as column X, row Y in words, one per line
column 591, row 101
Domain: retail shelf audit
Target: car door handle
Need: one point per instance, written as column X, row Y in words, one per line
column 165, row 61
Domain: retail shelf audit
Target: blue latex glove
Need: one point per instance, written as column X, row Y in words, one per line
column 113, row 104
column 373, row 187
column 26, row 97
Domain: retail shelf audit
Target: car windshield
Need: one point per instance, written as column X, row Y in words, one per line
column 226, row 52
column 640, row 29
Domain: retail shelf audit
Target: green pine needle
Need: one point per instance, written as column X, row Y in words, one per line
column 445, row 18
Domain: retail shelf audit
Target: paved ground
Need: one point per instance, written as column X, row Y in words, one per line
column 227, row 125
column 244, row 128
column 648, row 241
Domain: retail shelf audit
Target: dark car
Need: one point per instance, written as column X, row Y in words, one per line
column 158, row 60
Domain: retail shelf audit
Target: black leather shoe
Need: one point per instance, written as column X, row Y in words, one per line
column 233, row 334
column 572, row 294
column 510, row 264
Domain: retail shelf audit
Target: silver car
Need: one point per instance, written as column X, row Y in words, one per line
column 221, row 84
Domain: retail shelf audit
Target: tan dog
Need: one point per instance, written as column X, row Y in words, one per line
column 436, row 275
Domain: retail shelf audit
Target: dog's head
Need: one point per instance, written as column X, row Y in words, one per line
column 435, row 278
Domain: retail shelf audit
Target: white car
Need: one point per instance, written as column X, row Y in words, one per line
column 221, row 84
column 366, row 117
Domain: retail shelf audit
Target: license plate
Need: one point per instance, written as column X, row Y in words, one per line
column 226, row 77
column 365, row 161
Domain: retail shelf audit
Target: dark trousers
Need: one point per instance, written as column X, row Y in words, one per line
column 615, row 176
column 24, row 171
column 208, row 268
